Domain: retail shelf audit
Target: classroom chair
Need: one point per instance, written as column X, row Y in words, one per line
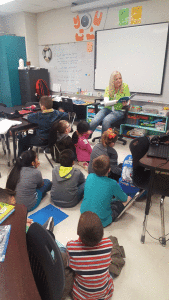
column 141, row 178
column 46, row 263
column 67, row 105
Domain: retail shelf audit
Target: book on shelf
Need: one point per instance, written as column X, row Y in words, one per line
column 4, row 238
column 5, row 211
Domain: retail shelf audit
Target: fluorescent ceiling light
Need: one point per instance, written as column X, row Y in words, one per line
column 5, row 1
column 99, row 4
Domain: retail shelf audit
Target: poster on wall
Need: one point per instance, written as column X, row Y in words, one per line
column 85, row 25
column 123, row 16
column 136, row 14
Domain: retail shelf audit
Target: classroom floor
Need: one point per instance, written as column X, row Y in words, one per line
column 145, row 275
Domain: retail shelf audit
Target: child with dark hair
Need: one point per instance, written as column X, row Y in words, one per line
column 103, row 195
column 106, row 147
column 59, row 139
column 67, row 181
column 90, row 258
column 7, row 196
column 44, row 119
column 27, row 181
column 80, row 140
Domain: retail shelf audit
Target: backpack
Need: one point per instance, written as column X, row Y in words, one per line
column 41, row 88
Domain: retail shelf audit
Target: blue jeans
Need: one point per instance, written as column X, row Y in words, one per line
column 108, row 118
column 41, row 192
column 80, row 192
column 28, row 141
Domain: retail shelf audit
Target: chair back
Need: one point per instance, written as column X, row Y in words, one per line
column 67, row 104
column 46, row 263
column 3, row 104
column 139, row 147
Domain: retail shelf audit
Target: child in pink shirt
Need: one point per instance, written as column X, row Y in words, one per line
column 80, row 140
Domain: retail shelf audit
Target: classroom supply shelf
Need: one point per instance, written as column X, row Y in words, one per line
column 148, row 123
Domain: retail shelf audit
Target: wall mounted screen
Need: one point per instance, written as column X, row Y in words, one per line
column 138, row 52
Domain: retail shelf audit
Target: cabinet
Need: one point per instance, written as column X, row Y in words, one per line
column 12, row 48
column 151, row 124
column 27, row 80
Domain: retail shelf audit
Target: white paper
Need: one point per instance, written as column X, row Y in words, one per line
column 6, row 124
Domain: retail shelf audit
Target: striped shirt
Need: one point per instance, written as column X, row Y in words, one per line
column 91, row 265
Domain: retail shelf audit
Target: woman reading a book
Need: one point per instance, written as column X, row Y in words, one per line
column 114, row 111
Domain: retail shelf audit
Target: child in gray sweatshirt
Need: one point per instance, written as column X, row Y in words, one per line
column 67, row 181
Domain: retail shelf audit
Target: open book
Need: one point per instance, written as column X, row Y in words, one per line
column 4, row 238
column 5, row 211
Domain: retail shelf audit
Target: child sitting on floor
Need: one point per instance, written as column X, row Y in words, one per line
column 8, row 196
column 27, row 181
column 67, row 181
column 106, row 147
column 59, row 139
column 80, row 140
column 90, row 258
column 103, row 195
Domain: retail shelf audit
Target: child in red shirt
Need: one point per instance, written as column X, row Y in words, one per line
column 90, row 258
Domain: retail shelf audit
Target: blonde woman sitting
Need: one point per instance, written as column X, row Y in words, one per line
column 108, row 116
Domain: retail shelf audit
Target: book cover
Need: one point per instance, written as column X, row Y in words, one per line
column 5, row 211
column 4, row 238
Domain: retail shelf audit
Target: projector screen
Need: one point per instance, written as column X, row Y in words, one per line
column 137, row 52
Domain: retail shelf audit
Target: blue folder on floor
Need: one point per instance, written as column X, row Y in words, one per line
column 42, row 215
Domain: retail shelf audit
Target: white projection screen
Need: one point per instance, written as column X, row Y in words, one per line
column 138, row 52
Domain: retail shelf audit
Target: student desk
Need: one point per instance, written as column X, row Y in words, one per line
column 153, row 164
column 79, row 109
column 16, row 278
column 25, row 126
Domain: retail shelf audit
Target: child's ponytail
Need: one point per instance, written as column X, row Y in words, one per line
column 14, row 175
column 75, row 138
column 25, row 160
column 108, row 137
column 82, row 127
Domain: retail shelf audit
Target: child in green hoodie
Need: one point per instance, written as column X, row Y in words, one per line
column 67, row 181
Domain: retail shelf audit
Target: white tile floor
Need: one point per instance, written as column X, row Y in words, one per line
column 145, row 275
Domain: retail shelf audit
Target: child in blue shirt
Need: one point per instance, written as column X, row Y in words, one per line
column 44, row 119
column 101, row 192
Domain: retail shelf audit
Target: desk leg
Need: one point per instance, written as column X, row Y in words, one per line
column 14, row 146
column 3, row 143
column 163, row 242
column 147, row 205
column 8, row 148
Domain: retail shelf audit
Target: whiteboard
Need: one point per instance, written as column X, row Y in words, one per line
column 71, row 66
column 138, row 52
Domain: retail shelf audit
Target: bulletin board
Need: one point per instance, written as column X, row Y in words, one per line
column 71, row 65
